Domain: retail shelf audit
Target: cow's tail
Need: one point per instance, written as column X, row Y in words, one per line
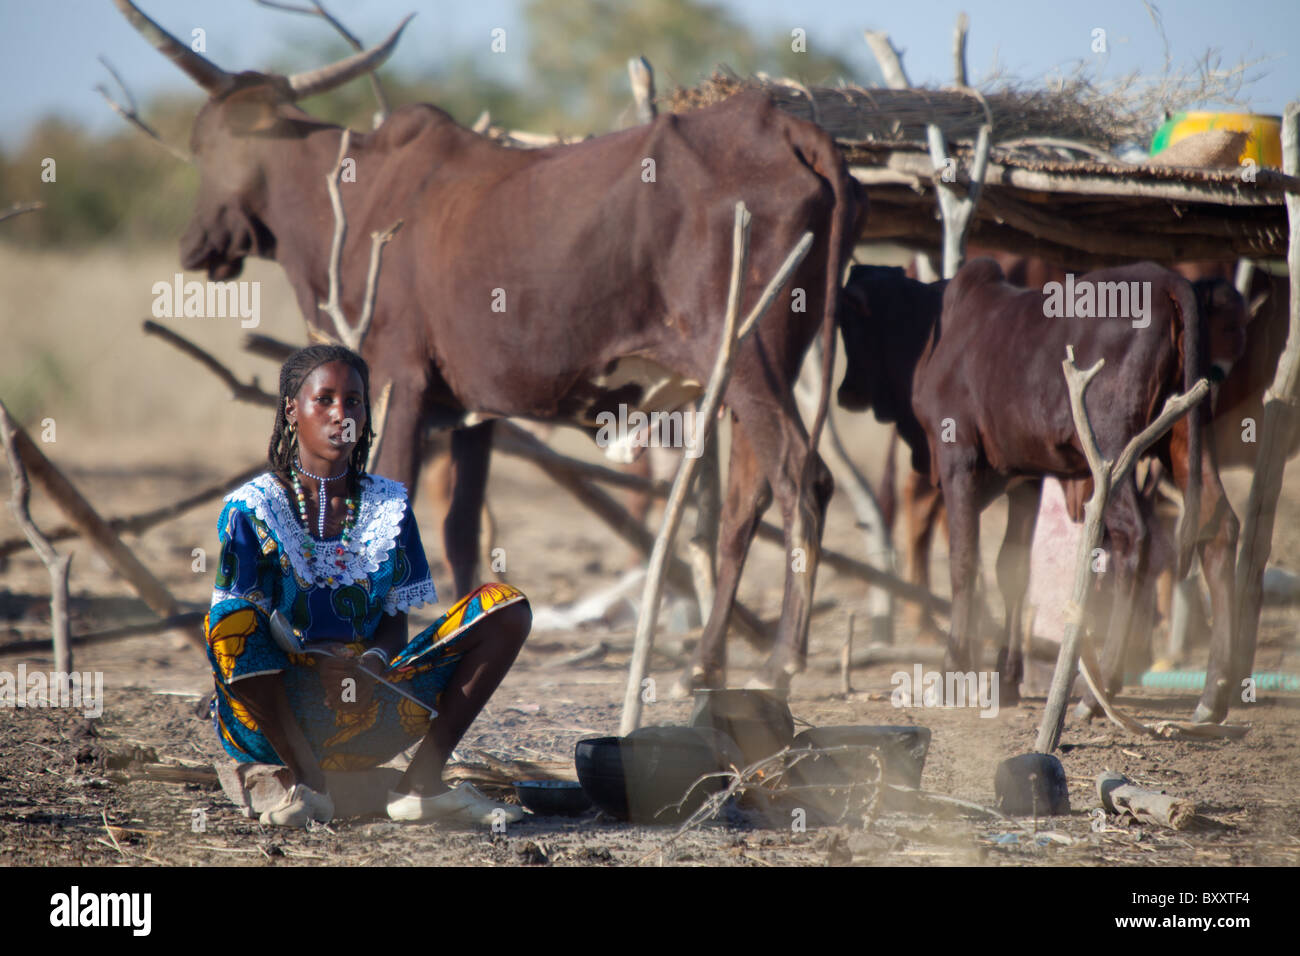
column 1190, row 316
column 827, row 161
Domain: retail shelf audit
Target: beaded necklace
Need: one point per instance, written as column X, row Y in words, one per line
column 341, row 550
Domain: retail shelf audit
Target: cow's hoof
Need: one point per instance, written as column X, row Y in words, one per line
column 1086, row 710
column 1213, row 705
column 1206, row 714
column 771, row 679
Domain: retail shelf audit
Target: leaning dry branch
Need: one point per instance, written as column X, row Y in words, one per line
column 1105, row 474
column 731, row 340
column 318, row 10
column 56, row 563
column 251, row 392
column 131, row 114
column 93, row 528
column 18, row 208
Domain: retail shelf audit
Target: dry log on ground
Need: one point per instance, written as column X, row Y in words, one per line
column 1118, row 794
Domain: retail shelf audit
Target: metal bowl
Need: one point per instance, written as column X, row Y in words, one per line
column 553, row 798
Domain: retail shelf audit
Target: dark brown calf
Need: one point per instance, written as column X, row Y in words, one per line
column 990, row 395
column 883, row 316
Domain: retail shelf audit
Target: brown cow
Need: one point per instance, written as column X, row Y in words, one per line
column 523, row 277
column 878, row 303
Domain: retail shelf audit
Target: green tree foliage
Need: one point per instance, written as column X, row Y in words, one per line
column 578, row 52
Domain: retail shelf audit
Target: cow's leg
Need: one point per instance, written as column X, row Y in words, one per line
column 1229, row 665
column 399, row 446
column 471, row 453
column 769, row 421
column 1128, row 537
column 923, row 512
column 1013, row 582
column 802, row 485
column 957, row 481
column 748, row 496
column 638, row 503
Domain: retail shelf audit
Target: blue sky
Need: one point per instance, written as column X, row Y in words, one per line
column 48, row 48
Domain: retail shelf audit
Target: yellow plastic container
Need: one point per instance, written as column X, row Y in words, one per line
column 1264, row 145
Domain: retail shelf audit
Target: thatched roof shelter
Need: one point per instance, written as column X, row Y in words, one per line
column 1051, row 188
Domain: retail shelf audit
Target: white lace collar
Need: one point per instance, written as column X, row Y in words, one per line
column 379, row 519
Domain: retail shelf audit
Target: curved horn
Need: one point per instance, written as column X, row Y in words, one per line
column 336, row 74
column 203, row 71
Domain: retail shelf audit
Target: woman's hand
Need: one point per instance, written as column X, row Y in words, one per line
column 334, row 671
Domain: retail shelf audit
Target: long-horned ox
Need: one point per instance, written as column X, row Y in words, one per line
column 523, row 279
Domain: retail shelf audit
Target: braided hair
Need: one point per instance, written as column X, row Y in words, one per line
column 293, row 373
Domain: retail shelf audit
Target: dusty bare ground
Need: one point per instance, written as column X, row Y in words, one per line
column 134, row 440
column 57, row 790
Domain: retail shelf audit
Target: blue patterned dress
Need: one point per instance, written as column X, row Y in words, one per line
column 269, row 561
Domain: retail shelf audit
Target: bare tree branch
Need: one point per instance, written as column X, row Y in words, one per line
column 18, row 208
column 349, row 336
column 317, row 9
column 252, row 393
column 131, row 114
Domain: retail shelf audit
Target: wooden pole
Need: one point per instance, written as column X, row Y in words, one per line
column 957, row 206
column 56, row 563
column 959, row 49
column 642, row 76
column 879, row 545
column 891, row 63
column 1105, row 475
column 1280, row 404
column 731, row 339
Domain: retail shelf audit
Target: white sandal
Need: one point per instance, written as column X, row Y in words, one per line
column 464, row 804
column 299, row 805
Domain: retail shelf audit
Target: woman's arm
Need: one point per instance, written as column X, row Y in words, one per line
column 390, row 635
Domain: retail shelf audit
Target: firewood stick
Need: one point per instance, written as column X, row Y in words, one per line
column 1118, row 794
